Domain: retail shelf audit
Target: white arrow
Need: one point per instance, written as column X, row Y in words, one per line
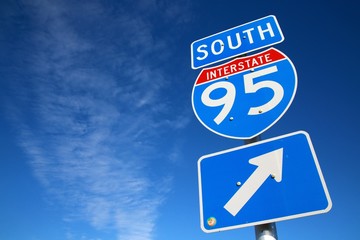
column 269, row 164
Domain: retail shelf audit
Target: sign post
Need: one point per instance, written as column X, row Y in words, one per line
column 265, row 231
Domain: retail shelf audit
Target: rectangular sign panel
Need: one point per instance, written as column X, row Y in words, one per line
column 236, row 41
column 267, row 181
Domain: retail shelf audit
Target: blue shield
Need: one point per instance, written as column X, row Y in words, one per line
column 246, row 96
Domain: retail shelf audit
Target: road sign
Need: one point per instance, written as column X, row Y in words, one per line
column 246, row 96
column 242, row 39
column 267, row 181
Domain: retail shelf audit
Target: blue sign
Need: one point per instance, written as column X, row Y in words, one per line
column 267, row 181
column 239, row 40
column 246, row 96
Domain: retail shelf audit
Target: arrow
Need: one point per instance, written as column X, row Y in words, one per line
column 269, row 164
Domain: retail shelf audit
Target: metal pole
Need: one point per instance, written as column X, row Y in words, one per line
column 264, row 231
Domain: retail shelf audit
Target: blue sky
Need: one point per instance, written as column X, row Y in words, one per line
column 98, row 137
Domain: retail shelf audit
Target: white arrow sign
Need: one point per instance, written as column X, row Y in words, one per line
column 269, row 164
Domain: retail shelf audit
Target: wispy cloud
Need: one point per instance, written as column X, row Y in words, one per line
column 95, row 112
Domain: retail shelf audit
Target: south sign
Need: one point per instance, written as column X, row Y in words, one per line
column 246, row 96
column 236, row 41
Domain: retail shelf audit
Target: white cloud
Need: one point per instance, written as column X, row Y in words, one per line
column 94, row 122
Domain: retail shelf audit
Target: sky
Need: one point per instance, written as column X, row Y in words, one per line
column 98, row 138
